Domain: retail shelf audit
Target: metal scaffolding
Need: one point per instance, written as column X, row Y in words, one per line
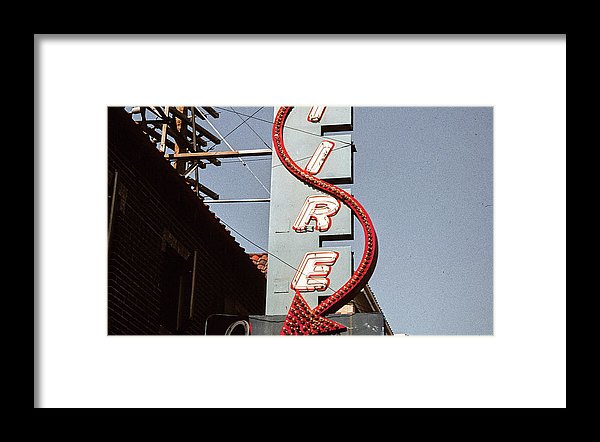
column 177, row 131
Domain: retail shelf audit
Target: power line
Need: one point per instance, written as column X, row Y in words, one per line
column 281, row 165
column 310, row 156
column 239, row 125
column 251, row 128
column 266, row 251
column 344, row 145
column 261, row 248
column 241, row 160
column 285, row 126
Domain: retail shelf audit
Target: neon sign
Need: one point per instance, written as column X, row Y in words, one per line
column 315, row 268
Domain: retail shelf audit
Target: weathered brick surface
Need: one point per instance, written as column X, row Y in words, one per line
column 155, row 210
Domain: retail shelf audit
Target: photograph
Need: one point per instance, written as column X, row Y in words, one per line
column 215, row 213
column 300, row 220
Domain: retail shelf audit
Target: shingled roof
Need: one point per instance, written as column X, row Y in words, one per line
column 261, row 261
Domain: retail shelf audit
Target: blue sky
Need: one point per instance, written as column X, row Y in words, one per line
column 425, row 176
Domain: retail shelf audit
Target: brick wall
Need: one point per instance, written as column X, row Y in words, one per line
column 158, row 226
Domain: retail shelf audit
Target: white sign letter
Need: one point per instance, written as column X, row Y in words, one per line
column 313, row 271
column 319, row 157
column 320, row 208
column 316, row 113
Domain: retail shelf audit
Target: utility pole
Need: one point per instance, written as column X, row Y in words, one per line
column 180, row 125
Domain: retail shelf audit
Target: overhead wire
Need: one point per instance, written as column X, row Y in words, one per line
column 310, row 156
column 238, row 126
column 240, row 159
column 239, row 114
column 345, row 144
column 251, row 128
column 265, row 250
column 285, row 126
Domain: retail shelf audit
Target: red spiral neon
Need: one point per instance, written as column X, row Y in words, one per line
column 300, row 319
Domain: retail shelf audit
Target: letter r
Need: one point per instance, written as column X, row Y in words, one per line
column 320, row 208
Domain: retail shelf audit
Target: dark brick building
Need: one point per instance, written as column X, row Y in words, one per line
column 171, row 263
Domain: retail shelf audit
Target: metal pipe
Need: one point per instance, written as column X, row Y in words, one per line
column 222, row 154
column 193, row 167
